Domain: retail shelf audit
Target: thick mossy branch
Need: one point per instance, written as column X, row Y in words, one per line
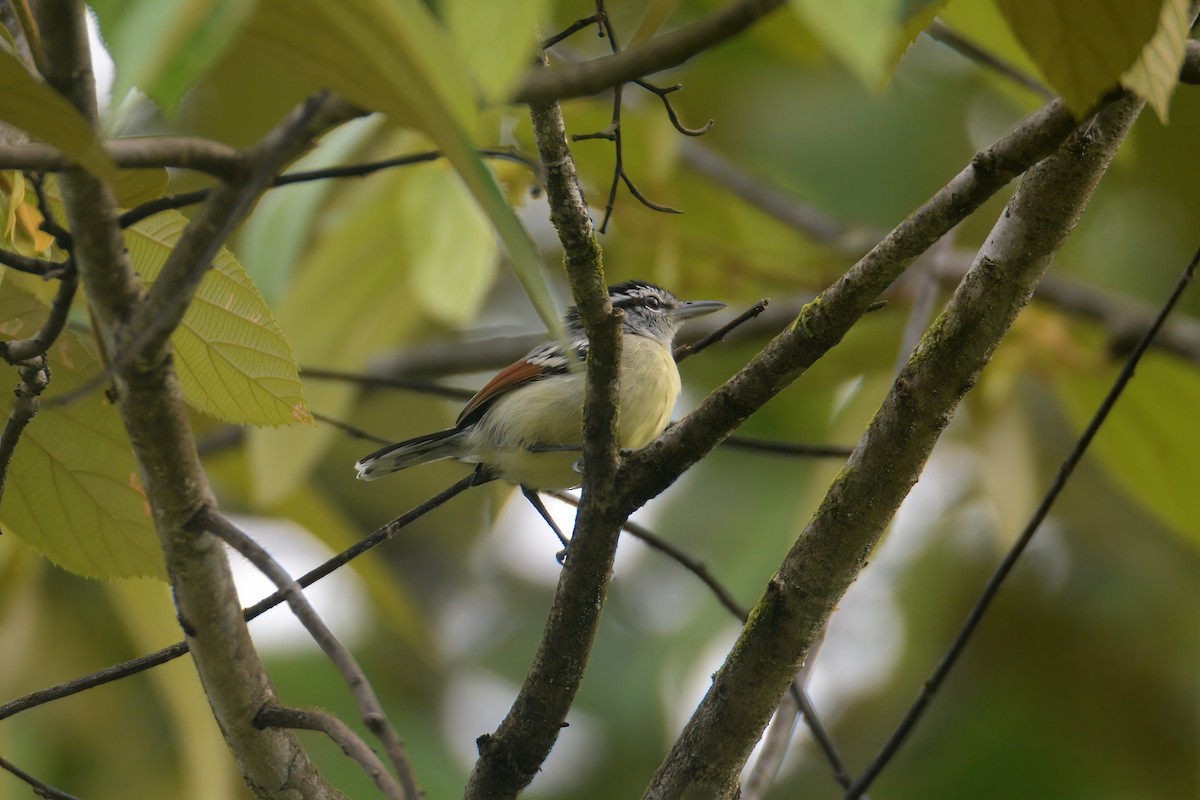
column 706, row 759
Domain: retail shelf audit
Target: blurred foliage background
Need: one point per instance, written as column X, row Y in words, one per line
column 1084, row 681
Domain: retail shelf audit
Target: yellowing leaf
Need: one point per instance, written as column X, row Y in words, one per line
column 32, row 106
column 1155, row 74
column 1082, row 46
column 22, row 220
column 73, row 491
column 860, row 34
column 447, row 244
column 498, row 40
column 232, row 359
column 1150, row 441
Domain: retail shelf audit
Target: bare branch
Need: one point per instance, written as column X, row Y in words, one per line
column 56, row 320
column 185, row 152
column 211, row 521
column 685, row 351
column 930, row 688
column 40, row 788
column 341, row 733
column 941, row 32
column 798, row 693
column 662, row 52
column 826, row 557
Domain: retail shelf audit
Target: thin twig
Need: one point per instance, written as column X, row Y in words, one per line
column 931, row 686
column 143, row 663
column 786, row 448
column 684, row 351
column 388, row 382
column 40, row 788
column 35, row 376
column 663, row 92
column 350, row 430
column 941, row 32
column 185, row 199
column 571, row 30
column 41, row 267
column 342, row 735
column 211, row 521
column 45, row 336
column 613, row 132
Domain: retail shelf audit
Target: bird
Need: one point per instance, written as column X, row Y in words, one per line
column 525, row 426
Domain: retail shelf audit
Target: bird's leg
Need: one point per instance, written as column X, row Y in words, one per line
column 536, row 501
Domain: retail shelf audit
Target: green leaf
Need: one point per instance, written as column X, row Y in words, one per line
column 73, row 491
column 163, row 46
column 1082, row 46
column 861, row 34
column 1150, row 436
column 1155, row 74
column 448, row 245
column 34, row 107
column 361, row 311
column 232, row 359
column 393, row 56
column 498, row 40
column 277, row 234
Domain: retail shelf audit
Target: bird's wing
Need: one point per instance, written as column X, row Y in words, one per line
column 543, row 361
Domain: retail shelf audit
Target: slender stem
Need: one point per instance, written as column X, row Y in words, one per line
column 930, row 688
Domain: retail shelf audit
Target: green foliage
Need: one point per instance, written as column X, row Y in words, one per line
column 73, row 491
column 391, row 56
column 359, row 270
column 162, row 46
column 232, row 359
column 32, row 106
column 1148, row 437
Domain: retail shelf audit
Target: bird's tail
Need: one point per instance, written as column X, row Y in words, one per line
column 422, row 449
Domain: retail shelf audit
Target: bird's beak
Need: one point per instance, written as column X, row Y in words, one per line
column 698, row 308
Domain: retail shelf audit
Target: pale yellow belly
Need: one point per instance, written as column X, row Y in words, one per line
column 516, row 436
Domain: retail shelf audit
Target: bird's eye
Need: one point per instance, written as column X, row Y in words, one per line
column 653, row 303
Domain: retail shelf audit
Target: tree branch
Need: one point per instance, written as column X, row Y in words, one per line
column 829, row 553
column 186, row 152
column 542, row 86
column 509, row 758
column 155, row 416
column 342, row 734
column 143, row 663
column 931, row 686
column 40, row 788
column 211, row 521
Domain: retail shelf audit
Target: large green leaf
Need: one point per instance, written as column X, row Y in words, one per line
column 163, row 46
column 861, row 35
column 393, row 56
column 1082, row 46
column 232, row 358
column 1150, row 442
column 277, row 235
column 73, row 491
column 356, row 282
column 447, row 243
column 498, row 40
column 31, row 105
